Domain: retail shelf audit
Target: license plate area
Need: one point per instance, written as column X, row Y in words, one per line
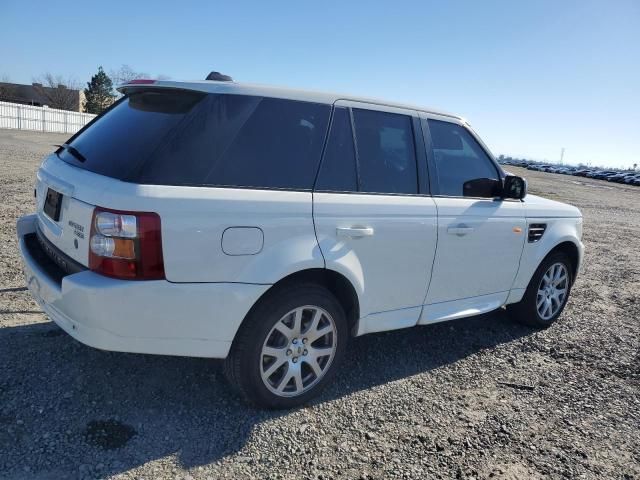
column 52, row 204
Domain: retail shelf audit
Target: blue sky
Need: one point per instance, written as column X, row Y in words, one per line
column 531, row 77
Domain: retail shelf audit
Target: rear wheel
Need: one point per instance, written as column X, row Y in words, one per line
column 547, row 293
column 288, row 348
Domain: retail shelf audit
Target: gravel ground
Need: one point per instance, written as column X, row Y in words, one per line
column 426, row 402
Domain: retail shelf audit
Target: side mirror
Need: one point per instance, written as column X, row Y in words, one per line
column 514, row 187
column 482, row 187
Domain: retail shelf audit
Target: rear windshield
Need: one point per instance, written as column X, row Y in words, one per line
column 192, row 138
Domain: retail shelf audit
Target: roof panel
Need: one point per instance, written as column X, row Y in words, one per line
column 235, row 88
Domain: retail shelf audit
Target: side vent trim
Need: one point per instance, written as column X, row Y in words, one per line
column 536, row 230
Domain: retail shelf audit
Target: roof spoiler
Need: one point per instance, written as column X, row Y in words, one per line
column 219, row 77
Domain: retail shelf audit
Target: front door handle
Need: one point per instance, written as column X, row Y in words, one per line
column 460, row 230
column 354, row 232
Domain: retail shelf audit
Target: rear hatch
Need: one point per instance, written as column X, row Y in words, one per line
column 107, row 156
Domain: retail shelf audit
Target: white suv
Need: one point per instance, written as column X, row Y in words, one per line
column 267, row 226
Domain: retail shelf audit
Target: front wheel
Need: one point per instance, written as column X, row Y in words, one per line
column 289, row 347
column 547, row 293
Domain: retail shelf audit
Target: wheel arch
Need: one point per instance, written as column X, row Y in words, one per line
column 570, row 249
column 335, row 282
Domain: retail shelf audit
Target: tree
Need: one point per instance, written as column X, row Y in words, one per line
column 99, row 93
column 56, row 92
column 125, row 74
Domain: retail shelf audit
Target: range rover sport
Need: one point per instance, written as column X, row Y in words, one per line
column 267, row 226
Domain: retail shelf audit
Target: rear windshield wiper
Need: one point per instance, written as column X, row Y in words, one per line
column 73, row 151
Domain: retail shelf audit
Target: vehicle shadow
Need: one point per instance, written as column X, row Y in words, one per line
column 55, row 392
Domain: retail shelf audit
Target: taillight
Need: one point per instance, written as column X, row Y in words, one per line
column 126, row 245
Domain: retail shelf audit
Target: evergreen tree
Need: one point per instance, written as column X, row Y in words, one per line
column 98, row 94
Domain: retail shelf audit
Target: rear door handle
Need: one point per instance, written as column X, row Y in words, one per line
column 460, row 230
column 354, row 232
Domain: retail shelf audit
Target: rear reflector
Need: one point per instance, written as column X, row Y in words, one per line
column 126, row 245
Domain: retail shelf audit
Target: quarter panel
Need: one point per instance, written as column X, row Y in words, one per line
column 192, row 229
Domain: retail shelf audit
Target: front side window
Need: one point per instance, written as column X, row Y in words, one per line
column 386, row 152
column 458, row 158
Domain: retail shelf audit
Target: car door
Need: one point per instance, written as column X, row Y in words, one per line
column 480, row 238
column 375, row 222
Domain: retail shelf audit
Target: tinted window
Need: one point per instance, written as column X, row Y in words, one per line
column 458, row 157
column 338, row 170
column 182, row 138
column 119, row 141
column 386, row 152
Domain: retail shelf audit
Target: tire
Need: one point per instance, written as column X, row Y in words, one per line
column 527, row 311
column 306, row 364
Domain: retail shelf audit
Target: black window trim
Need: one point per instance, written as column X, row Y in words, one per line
column 433, row 171
column 419, row 147
column 352, row 125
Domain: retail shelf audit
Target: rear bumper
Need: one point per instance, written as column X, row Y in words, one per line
column 156, row 317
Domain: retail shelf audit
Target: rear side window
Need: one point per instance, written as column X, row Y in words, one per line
column 458, row 157
column 386, row 152
column 338, row 170
column 212, row 139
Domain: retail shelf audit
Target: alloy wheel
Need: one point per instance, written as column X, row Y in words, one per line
column 552, row 291
column 298, row 351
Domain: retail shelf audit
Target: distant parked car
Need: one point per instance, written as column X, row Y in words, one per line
column 619, row 177
column 604, row 175
column 614, row 177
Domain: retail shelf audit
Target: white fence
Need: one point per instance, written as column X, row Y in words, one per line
column 44, row 119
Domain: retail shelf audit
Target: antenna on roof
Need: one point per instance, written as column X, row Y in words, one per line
column 219, row 77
